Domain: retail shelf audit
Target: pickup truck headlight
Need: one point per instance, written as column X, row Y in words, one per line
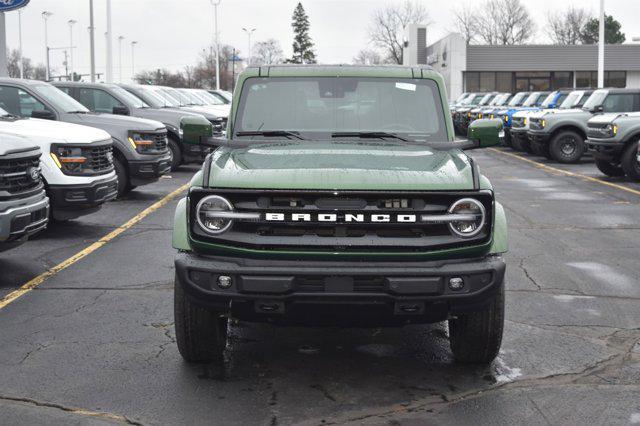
column 141, row 143
column 476, row 213
column 611, row 130
column 210, row 214
column 68, row 159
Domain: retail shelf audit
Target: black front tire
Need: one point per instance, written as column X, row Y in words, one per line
column 176, row 154
column 123, row 178
column 567, row 147
column 629, row 161
column 609, row 169
column 201, row 334
column 475, row 337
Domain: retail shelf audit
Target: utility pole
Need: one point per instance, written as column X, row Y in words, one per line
column 21, row 62
column 4, row 72
column 133, row 70
column 92, row 42
column 601, row 47
column 45, row 16
column 109, row 70
column 71, row 23
column 249, row 32
column 120, row 38
column 216, row 40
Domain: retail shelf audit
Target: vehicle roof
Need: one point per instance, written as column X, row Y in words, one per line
column 22, row 81
column 343, row 70
column 82, row 84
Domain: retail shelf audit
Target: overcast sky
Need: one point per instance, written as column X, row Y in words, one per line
column 171, row 34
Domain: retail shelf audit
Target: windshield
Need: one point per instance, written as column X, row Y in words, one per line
column 517, row 99
column 182, row 99
column 165, row 100
column 208, row 98
column 130, row 98
column 548, row 100
column 461, row 98
column 486, row 99
column 531, row 100
column 192, row 98
column 596, row 99
column 571, row 100
column 59, row 99
column 319, row 107
column 503, row 99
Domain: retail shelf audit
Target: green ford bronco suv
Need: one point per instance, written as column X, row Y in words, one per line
column 340, row 196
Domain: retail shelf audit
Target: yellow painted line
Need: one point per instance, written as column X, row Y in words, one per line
column 568, row 173
column 35, row 282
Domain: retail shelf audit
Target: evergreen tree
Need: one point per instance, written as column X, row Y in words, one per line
column 302, row 45
column 612, row 33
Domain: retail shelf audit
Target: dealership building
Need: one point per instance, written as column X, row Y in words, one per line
column 481, row 68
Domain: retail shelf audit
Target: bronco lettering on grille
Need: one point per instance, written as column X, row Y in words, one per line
column 342, row 218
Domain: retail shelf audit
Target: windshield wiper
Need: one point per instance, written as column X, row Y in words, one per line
column 372, row 135
column 271, row 133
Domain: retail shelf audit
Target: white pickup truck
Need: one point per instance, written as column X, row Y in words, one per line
column 77, row 163
column 24, row 206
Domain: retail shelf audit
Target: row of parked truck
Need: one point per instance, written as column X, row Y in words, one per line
column 67, row 148
column 564, row 125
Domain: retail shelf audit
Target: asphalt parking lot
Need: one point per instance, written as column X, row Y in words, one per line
column 94, row 342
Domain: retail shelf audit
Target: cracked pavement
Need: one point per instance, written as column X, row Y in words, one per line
column 95, row 343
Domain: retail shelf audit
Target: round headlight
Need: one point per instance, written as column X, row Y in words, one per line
column 467, row 228
column 206, row 214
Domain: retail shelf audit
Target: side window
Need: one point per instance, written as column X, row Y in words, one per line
column 619, row 102
column 98, row 100
column 18, row 102
column 66, row 90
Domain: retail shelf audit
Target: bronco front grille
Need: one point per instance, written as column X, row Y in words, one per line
column 341, row 236
column 17, row 175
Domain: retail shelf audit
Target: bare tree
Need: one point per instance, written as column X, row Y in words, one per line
column 267, row 52
column 566, row 27
column 505, row 22
column 466, row 22
column 13, row 67
column 368, row 57
column 388, row 24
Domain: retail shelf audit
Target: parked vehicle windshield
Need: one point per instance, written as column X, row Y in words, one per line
column 207, row 97
column 596, row 99
column 502, row 99
column 191, row 97
column 517, row 99
column 532, row 99
column 59, row 99
column 572, row 100
column 130, row 98
column 165, row 100
column 322, row 107
column 548, row 100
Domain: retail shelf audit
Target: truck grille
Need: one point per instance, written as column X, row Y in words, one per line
column 16, row 177
column 340, row 236
column 99, row 158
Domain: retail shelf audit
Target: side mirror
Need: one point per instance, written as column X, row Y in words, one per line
column 484, row 133
column 120, row 110
column 598, row 109
column 43, row 114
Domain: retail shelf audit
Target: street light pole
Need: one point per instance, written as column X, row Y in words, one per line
column 92, row 42
column 120, row 38
column 45, row 17
column 601, row 47
column 109, row 70
column 71, row 23
column 133, row 71
column 249, row 32
column 216, row 40
column 21, row 62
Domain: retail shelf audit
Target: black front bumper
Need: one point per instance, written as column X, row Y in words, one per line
column 308, row 292
column 539, row 138
column 609, row 151
column 147, row 171
column 71, row 201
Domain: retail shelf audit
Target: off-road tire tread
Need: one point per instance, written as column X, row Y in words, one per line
column 475, row 337
column 174, row 146
column 608, row 168
column 556, row 151
column 629, row 161
column 200, row 333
